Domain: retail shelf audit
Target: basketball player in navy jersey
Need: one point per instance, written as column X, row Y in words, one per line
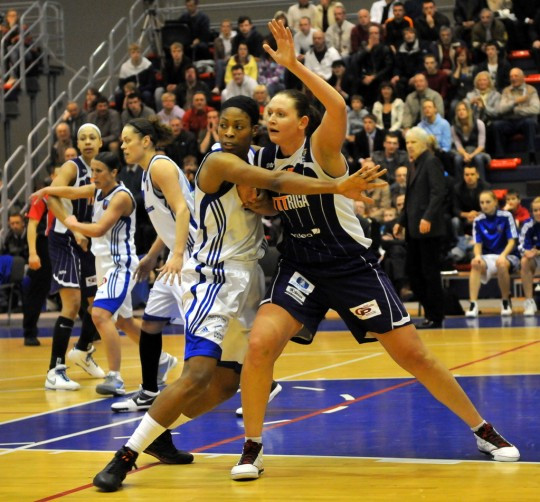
column 220, row 280
column 73, row 266
column 326, row 264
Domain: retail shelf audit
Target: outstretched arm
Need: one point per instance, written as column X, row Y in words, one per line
column 66, row 192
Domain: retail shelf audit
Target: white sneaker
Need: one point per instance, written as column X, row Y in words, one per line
column 490, row 442
column 84, row 359
column 250, row 465
column 140, row 401
column 274, row 391
column 166, row 364
column 112, row 385
column 529, row 307
column 506, row 309
column 473, row 310
column 57, row 379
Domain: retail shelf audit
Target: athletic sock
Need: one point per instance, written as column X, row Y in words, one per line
column 255, row 439
column 87, row 333
column 145, row 434
column 61, row 333
column 482, row 423
column 150, row 346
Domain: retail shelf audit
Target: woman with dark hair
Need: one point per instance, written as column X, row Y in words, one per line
column 469, row 138
column 90, row 100
column 462, row 78
column 112, row 231
column 244, row 58
column 388, row 108
column 326, row 263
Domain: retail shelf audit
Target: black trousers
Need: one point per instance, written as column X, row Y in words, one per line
column 424, row 271
column 38, row 289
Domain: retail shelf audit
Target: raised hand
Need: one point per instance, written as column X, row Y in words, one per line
column 285, row 53
column 353, row 186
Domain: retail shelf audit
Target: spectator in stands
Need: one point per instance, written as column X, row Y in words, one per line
column 485, row 30
column 388, row 108
column 194, row 119
column 381, row 11
column 135, row 108
column 63, row 141
column 360, row 32
column 247, row 34
column 525, row 12
column 399, row 186
column 355, row 123
column 108, row 122
column 338, row 35
column 430, row 22
column 320, row 57
column 413, row 104
column 271, row 74
column 199, row 25
column 298, row 10
column 15, row 243
column 222, row 52
column 71, row 153
column 324, row 17
column 519, row 108
column 433, row 123
column 496, row 65
column 303, row 38
column 341, row 80
column 466, row 204
column 390, row 157
column 372, row 65
column 394, row 26
column 244, row 58
column 173, row 73
column 409, row 61
column 469, row 138
column 395, row 252
column 513, row 206
column 137, row 69
column 466, row 14
column 529, row 242
column 437, row 79
column 207, row 138
column 92, row 94
column 240, row 84
column 186, row 90
column 423, row 220
column 444, row 49
column 495, row 252
column 183, row 144
column 169, row 109
column 74, row 118
column 381, row 202
column 535, row 46
column 367, row 141
column 484, row 98
column 190, row 168
column 462, row 78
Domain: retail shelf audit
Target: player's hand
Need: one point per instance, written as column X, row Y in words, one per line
column 362, row 180
column 285, row 54
column 247, row 194
column 425, row 226
column 81, row 240
column 146, row 265
column 396, row 230
column 171, row 270
column 38, row 194
column 34, row 262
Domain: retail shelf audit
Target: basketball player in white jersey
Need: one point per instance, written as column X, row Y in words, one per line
column 219, row 281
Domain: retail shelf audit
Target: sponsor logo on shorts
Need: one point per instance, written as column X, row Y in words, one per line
column 366, row 310
column 91, row 281
column 299, row 287
column 312, row 233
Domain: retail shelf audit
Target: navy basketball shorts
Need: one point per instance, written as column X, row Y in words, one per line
column 71, row 266
column 364, row 297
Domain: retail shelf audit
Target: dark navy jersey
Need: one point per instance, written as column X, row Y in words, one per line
column 493, row 231
column 318, row 229
column 530, row 235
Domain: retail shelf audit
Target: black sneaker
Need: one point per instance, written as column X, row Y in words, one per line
column 31, row 341
column 490, row 442
column 250, row 465
column 164, row 450
column 110, row 478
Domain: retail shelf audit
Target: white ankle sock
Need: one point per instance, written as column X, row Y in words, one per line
column 147, row 431
column 475, row 429
column 257, row 439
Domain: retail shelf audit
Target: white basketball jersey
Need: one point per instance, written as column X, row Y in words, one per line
column 119, row 241
column 226, row 230
column 162, row 217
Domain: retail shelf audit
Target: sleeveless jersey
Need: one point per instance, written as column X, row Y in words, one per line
column 162, row 217
column 318, row 229
column 226, row 230
column 119, row 240
column 80, row 208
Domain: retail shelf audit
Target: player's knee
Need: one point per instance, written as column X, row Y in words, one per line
column 258, row 349
column 99, row 316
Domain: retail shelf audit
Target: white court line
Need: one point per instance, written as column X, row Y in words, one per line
column 13, row 444
column 67, row 436
column 347, row 397
column 277, row 422
column 316, row 389
column 333, row 410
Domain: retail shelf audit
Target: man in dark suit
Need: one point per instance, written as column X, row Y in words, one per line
column 367, row 141
column 424, row 224
column 391, row 157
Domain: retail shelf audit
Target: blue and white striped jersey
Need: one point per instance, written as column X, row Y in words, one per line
column 493, row 231
column 529, row 237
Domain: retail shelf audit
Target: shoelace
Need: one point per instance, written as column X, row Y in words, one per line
column 122, row 463
column 251, row 450
column 488, row 433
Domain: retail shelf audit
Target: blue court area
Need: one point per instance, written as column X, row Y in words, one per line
column 362, row 418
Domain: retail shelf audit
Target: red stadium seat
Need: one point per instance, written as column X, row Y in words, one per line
column 505, row 163
column 519, row 55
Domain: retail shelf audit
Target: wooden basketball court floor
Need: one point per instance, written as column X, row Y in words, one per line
column 348, row 425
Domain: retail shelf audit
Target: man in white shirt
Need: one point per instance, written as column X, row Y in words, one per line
column 381, row 11
column 240, row 85
column 338, row 35
column 320, row 57
column 298, row 10
column 303, row 38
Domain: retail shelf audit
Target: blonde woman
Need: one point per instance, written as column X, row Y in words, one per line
column 484, row 98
